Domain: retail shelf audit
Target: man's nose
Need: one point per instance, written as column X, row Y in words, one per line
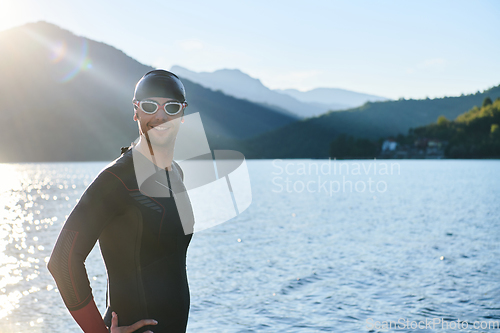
column 162, row 115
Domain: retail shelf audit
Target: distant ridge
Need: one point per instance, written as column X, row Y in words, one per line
column 333, row 96
column 235, row 83
column 303, row 104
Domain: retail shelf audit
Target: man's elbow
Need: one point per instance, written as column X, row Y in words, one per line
column 50, row 266
column 58, row 265
column 59, row 262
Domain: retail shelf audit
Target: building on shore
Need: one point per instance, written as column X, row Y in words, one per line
column 422, row 148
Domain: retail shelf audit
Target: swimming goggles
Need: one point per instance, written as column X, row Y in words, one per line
column 150, row 107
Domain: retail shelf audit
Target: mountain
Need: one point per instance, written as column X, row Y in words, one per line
column 68, row 98
column 304, row 104
column 311, row 138
column 238, row 84
column 333, row 97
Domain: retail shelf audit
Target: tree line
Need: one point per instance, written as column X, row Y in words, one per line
column 473, row 134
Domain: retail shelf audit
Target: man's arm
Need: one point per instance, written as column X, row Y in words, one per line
column 101, row 202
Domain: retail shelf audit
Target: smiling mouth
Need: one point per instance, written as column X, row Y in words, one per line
column 160, row 128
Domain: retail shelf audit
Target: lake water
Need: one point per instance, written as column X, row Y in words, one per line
column 324, row 247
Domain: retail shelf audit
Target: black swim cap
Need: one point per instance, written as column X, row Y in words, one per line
column 160, row 83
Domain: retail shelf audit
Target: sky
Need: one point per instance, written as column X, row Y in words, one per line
column 395, row 49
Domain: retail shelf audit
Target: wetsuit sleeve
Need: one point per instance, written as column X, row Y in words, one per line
column 101, row 202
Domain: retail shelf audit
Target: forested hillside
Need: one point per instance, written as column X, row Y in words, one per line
column 311, row 138
column 474, row 134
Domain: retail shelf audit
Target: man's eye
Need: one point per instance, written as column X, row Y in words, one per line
column 149, row 107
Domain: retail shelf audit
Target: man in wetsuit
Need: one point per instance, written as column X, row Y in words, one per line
column 141, row 236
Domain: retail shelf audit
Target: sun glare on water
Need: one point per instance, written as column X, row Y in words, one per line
column 33, row 197
column 9, row 178
column 9, row 267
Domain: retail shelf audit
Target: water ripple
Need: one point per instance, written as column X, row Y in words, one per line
column 307, row 262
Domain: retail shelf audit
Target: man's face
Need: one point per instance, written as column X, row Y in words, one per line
column 160, row 128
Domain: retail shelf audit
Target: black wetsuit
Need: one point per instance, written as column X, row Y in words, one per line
column 143, row 245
